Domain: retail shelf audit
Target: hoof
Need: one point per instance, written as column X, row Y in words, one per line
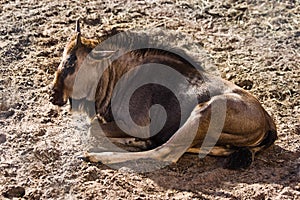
column 86, row 157
column 240, row 159
column 83, row 158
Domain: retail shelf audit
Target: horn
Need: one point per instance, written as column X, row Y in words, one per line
column 77, row 29
column 78, row 39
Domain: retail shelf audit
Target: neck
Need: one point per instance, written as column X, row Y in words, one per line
column 128, row 61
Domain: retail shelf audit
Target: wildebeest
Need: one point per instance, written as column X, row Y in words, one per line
column 247, row 129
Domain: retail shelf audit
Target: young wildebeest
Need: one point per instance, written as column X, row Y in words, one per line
column 247, row 127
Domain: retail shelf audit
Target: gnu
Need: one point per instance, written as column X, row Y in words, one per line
column 246, row 127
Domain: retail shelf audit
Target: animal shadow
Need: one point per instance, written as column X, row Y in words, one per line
column 190, row 173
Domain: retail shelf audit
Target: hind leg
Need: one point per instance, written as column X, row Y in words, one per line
column 246, row 130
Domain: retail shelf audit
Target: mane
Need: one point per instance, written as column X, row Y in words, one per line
column 143, row 44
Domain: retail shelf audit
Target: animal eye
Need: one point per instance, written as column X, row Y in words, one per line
column 72, row 58
column 70, row 62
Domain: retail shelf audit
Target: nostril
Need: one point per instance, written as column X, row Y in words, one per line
column 52, row 93
column 52, row 99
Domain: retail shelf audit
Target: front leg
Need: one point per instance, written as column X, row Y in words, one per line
column 157, row 154
column 171, row 151
column 107, row 129
column 106, row 135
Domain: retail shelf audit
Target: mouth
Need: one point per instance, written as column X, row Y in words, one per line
column 57, row 101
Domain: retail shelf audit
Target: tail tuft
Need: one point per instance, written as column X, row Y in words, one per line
column 270, row 138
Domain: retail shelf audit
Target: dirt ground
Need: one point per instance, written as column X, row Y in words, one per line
column 255, row 44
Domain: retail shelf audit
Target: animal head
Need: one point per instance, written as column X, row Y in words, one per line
column 74, row 55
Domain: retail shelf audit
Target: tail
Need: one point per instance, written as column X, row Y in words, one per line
column 270, row 136
column 243, row 157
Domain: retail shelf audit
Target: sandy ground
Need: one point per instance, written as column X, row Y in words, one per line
column 255, row 45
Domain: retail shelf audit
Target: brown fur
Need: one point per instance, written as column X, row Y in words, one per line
column 247, row 128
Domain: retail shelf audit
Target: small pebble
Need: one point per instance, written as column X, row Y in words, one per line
column 2, row 138
column 16, row 191
column 7, row 114
column 41, row 132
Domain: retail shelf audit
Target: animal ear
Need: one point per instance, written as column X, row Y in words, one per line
column 78, row 33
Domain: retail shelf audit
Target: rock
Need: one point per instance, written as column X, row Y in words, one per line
column 16, row 191
column 245, row 84
column 45, row 120
column 91, row 174
column 2, row 138
column 52, row 113
column 41, row 132
column 6, row 114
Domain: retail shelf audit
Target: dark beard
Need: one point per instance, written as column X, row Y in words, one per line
column 83, row 105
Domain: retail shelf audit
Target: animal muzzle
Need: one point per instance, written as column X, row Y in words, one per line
column 57, row 97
